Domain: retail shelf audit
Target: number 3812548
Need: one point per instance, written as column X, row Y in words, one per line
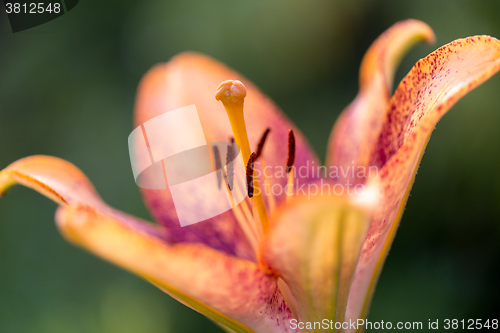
column 32, row 8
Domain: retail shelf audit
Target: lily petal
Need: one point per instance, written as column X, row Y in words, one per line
column 427, row 92
column 191, row 78
column 314, row 245
column 234, row 292
column 357, row 129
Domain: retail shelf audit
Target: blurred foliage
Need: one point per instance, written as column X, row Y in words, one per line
column 67, row 89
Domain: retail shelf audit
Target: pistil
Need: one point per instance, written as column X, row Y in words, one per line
column 232, row 95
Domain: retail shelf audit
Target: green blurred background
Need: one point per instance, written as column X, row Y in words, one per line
column 67, row 89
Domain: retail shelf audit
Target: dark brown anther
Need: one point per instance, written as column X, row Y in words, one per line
column 230, row 166
column 249, row 173
column 218, row 164
column 291, row 151
column 262, row 141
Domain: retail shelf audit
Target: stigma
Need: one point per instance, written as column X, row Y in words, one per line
column 231, row 92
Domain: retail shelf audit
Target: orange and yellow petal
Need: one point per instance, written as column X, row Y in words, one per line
column 427, row 92
column 232, row 291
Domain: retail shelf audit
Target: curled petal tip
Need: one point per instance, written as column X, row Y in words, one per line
column 231, row 91
column 420, row 30
column 430, row 38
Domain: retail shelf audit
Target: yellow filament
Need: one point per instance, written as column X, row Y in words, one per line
column 232, row 94
column 258, row 226
column 267, row 184
column 242, row 220
column 248, row 214
column 247, row 227
column 245, row 206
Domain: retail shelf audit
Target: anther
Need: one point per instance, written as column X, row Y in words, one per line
column 217, row 164
column 230, row 166
column 262, row 142
column 291, row 151
column 249, row 173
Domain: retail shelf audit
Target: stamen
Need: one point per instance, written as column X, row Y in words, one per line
column 247, row 227
column 259, row 227
column 230, row 166
column 260, row 146
column 289, row 185
column 244, row 204
column 243, row 219
column 217, row 164
column 267, row 184
column 245, row 207
column 291, row 151
column 249, row 173
column 232, row 94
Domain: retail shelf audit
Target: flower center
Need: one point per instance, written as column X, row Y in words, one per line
column 232, row 94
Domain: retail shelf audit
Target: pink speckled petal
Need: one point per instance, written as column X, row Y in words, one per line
column 67, row 185
column 191, row 78
column 234, row 292
column 353, row 138
column 314, row 245
column 427, row 92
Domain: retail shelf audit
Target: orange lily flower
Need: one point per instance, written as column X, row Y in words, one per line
column 276, row 260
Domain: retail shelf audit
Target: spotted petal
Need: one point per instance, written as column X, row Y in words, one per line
column 234, row 292
column 191, row 78
column 353, row 139
column 427, row 92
